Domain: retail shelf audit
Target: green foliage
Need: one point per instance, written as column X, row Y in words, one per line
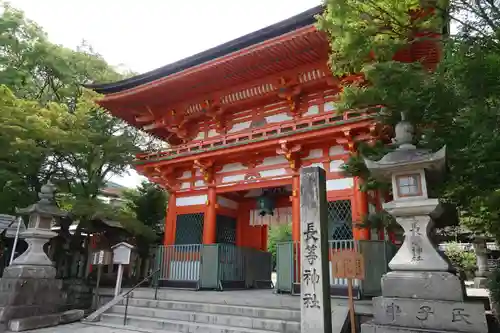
column 455, row 105
column 149, row 204
column 278, row 234
column 380, row 221
column 464, row 261
column 371, row 29
column 50, row 126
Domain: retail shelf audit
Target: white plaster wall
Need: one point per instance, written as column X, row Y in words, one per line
column 277, row 118
column 337, row 150
column 199, row 182
column 191, row 201
column 339, row 184
column 314, row 153
column 313, row 109
column 273, row 172
column 185, row 185
column 228, row 203
column 233, row 178
column 186, row 174
column 274, row 160
column 329, row 106
column 232, row 167
column 240, row 126
column 335, row 165
column 200, row 136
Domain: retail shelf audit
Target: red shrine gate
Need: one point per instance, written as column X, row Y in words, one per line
column 241, row 119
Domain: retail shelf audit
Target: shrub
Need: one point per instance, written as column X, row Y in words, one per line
column 464, row 261
column 278, row 234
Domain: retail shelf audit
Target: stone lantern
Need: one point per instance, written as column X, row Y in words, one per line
column 421, row 291
column 409, row 169
column 28, row 286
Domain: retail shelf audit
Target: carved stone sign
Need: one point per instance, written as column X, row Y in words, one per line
column 348, row 264
column 429, row 314
column 315, row 279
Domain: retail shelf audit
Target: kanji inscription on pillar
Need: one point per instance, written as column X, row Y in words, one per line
column 315, row 277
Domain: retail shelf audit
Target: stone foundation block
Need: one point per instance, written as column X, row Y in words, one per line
column 31, row 323
column 442, row 286
column 430, row 314
column 375, row 328
column 30, row 272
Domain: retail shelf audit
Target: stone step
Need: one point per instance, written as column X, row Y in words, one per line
column 236, row 310
column 211, row 318
column 251, row 297
column 173, row 325
column 119, row 328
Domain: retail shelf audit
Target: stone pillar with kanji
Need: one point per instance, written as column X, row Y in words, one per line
column 315, row 311
column 422, row 292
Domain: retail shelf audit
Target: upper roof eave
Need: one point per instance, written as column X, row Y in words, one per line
column 298, row 21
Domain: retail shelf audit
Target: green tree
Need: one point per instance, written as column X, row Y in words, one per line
column 278, row 234
column 455, row 104
column 52, row 126
column 149, row 203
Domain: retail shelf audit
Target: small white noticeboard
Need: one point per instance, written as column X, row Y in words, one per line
column 122, row 252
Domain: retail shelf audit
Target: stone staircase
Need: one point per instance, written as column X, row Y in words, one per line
column 187, row 311
column 201, row 312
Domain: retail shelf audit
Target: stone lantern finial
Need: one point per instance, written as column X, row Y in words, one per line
column 404, row 134
column 47, row 193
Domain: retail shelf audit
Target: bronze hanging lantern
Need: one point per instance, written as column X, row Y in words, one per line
column 265, row 205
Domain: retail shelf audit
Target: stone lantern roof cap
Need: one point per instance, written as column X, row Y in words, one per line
column 407, row 157
column 46, row 205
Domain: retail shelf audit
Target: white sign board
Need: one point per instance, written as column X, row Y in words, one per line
column 122, row 253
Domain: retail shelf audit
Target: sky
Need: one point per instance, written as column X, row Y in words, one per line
column 147, row 34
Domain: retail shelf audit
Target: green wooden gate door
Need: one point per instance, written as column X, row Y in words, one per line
column 284, row 267
column 209, row 270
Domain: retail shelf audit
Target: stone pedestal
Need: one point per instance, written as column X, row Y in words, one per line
column 421, row 295
column 28, row 297
column 28, row 287
column 482, row 272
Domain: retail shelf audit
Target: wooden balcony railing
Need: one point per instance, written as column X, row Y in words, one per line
column 257, row 134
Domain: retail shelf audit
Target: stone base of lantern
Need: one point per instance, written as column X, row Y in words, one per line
column 442, row 286
column 480, row 282
column 29, row 291
column 374, row 328
column 424, row 302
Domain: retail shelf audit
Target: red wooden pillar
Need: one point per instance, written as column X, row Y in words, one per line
column 296, row 207
column 359, row 210
column 263, row 237
column 210, row 222
column 242, row 222
column 170, row 221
